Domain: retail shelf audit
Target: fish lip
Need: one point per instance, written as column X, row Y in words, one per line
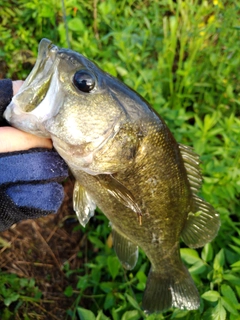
column 34, row 89
column 47, row 51
column 38, row 81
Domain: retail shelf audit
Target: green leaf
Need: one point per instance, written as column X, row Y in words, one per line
column 109, row 301
column 219, row 313
column 208, row 314
column 31, row 283
column 235, row 248
column 68, row 291
column 7, row 314
column 154, row 317
column 101, row 316
column 76, row 24
column 97, row 243
column 236, row 266
column 85, row 314
column 4, row 243
column 178, row 314
column 211, row 295
column 207, row 252
column 121, row 71
column 198, row 267
column 189, row 255
column 96, row 275
column 232, row 278
column 142, row 280
column 83, row 282
column 132, row 315
column 133, row 302
column 234, row 317
column 219, row 260
column 113, row 266
column 11, row 298
column 228, row 293
column 229, row 306
column 107, row 286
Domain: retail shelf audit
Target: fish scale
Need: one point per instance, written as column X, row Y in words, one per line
column 126, row 162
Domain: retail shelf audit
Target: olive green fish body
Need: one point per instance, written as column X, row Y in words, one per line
column 126, row 162
column 157, row 181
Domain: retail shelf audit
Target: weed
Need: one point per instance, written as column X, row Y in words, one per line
column 16, row 293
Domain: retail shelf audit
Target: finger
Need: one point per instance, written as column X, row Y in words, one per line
column 12, row 139
column 33, row 166
column 16, row 86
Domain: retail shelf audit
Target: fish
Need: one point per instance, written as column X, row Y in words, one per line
column 126, row 162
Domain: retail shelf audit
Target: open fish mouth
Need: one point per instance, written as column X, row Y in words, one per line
column 38, row 97
column 37, row 84
column 36, row 100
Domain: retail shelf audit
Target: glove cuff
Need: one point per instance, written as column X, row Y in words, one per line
column 11, row 213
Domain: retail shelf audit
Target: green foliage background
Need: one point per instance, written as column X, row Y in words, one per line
column 184, row 58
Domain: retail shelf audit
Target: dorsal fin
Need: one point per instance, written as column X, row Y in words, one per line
column 203, row 221
column 191, row 163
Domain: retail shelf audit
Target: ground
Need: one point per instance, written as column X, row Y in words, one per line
column 39, row 249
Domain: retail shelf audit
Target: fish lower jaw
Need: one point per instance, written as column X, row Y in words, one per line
column 11, row 110
column 21, row 120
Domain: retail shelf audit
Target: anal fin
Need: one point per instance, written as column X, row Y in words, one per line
column 126, row 251
column 202, row 224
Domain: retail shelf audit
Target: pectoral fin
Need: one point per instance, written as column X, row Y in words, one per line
column 202, row 224
column 120, row 192
column 126, row 251
column 83, row 205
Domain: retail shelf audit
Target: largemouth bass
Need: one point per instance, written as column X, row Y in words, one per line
column 126, row 162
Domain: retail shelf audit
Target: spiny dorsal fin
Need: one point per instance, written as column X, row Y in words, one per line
column 203, row 221
column 83, row 205
column 191, row 163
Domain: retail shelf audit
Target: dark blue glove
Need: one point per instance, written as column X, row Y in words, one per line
column 29, row 185
column 29, row 180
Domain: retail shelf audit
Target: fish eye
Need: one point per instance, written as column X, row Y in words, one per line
column 84, row 80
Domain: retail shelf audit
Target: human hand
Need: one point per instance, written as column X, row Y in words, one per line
column 16, row 85
column 30, row 185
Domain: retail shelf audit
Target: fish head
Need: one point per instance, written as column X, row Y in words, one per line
column 69, row 99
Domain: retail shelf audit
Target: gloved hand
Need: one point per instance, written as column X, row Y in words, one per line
column 29, row 182
column 29, row 185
